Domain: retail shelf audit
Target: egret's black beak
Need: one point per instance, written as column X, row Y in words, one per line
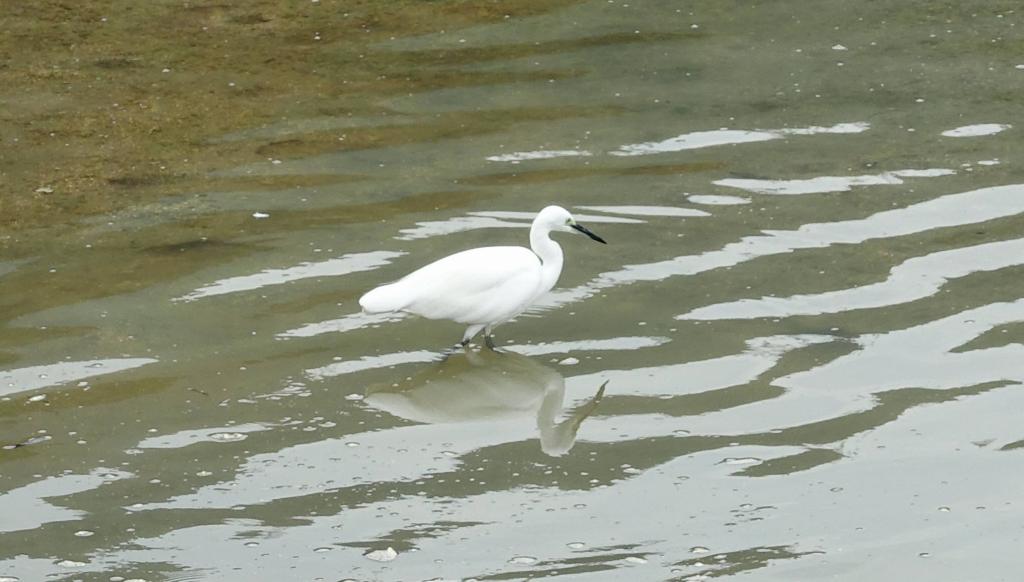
column 587, row 232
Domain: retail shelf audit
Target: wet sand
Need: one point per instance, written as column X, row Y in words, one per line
column 109, row 105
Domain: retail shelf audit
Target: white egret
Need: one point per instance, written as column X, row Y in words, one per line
column 482, row 287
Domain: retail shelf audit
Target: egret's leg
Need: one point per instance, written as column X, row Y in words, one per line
column 463, row 343
column 470, row 332
column 489, row 338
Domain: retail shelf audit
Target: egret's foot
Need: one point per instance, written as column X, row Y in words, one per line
column 447, row 352
column 489, row 342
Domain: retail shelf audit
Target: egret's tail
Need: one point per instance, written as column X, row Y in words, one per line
column 382, row 299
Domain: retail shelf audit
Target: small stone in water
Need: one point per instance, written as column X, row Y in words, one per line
column 569, row 362
column 385, row 555
column 70, row 564
column 576, row 545
column 84, row 533
column 260, row 215
column 636, row 560
column 228, row 437
column 699, row 550
column 739, row 461
column 37, row 398
column 523, row 560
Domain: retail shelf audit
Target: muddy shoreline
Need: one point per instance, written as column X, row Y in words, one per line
column 105, row 106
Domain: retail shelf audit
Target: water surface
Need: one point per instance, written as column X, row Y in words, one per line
column 798, row 358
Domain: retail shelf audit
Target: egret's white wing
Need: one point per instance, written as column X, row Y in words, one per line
column 480, row 285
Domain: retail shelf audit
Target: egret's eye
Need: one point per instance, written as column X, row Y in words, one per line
column 568, row 222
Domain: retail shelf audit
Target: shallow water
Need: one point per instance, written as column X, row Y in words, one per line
column 798, row 358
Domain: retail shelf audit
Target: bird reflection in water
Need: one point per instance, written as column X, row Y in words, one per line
column 489, row 386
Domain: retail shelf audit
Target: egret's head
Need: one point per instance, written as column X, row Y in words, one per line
column 558, row 218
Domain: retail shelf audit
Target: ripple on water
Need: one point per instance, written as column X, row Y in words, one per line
column 666, row 211
column 716, row 200
column 517, row 157
column 189, row 437
column 915, row 278
column 493, row 219
column 977, row 130
column 35, row 377
column 824, row 184
column 345, row 265
column 228, row 437
column 971, row 207
column 350, row 322
column 720, row 137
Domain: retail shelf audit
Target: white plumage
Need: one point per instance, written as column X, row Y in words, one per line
column 482, row 287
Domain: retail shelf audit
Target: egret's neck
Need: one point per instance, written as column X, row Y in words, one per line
column 550, row 255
